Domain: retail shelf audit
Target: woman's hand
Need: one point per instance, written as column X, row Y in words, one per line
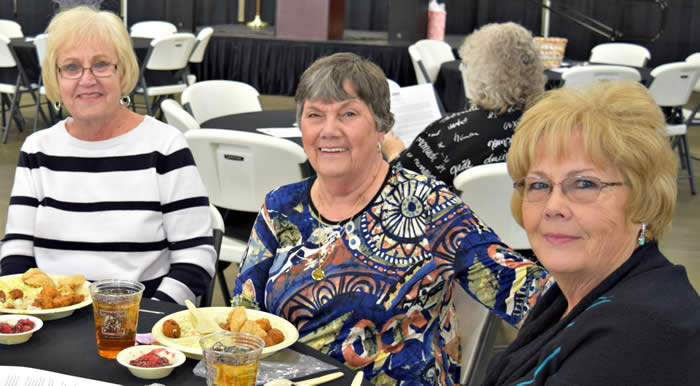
column 392, row 146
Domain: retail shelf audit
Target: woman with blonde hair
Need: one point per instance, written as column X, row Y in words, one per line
column 504, row 73
column 595, row 189
column 107, row 193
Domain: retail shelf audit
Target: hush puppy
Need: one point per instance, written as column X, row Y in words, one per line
column 171, row 329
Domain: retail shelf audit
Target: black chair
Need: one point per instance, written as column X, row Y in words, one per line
column 217, row 225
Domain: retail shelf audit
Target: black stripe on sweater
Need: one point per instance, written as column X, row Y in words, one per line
column 184, row 204
column 104, row 247
column 191, row 243
column 103, row 206
column 24, row 200
column 162, row 163
column 17, row 236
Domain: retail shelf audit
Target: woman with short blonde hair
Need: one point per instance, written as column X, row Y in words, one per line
column 595, row 188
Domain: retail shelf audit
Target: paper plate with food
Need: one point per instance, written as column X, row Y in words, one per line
column 183, row 329
column 45, row 296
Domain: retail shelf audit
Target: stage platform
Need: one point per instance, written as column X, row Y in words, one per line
column 273, row 65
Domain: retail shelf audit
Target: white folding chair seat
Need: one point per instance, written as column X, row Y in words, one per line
column 10, row 63
column 200, row 47
column 626, row 54
column 583, row 76
column 215, row 98
column 176, row 116
column 236, row 170
column 672, row 85
column 152, row 29
column 487, row 189
column 693, row 116
column 170, row 53
column 433, row 53
column 11, row 29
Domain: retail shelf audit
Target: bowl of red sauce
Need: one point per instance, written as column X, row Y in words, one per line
column 16, row 329
column 150, row 361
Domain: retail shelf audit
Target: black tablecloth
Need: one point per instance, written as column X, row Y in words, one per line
column 450, row 87
column 68, row 346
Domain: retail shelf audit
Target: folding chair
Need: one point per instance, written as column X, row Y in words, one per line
column 11, row 68
column 40, row 45
column 433, row 53
column 236, row 170
column 167, row 56
column 152, row 29
column 197, row 56
column 215, row 98
column 692, row 117
column 217, row 228
column 487, row 189
column 176, row 116
column 11, row 29
column 583, row 76
column 672, row 85
column 626, row 54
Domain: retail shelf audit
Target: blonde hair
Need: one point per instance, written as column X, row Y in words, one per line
column 504, row 67
column 81, row 25
column 620, row 124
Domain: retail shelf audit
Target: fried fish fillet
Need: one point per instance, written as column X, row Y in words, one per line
column 35, row 278
column 72, row 281
column 250, row 327
column 237, row 317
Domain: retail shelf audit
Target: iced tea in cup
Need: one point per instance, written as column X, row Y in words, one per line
column 115, row 304
column 231, row 358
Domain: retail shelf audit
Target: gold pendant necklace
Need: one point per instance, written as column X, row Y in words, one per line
column 317, row 273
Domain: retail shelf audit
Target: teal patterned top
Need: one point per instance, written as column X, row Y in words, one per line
column 385, row 303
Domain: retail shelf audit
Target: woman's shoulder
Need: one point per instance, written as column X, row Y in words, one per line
column 46, row 139
column 288, row 197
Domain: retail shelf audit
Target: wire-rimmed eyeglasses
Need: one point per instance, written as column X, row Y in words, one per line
column 99, row 70
column 580, row 189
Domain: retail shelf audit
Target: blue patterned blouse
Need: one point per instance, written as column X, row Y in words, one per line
column 385, row 303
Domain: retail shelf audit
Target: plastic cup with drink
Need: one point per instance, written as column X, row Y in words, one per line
column 115, row 305
column 231, row 358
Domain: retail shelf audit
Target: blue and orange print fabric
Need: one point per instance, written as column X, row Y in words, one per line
column 384, row 305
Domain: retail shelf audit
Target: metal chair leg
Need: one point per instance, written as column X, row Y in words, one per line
column 688, row 161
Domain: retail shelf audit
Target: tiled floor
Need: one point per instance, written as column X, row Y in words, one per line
column 680, row 244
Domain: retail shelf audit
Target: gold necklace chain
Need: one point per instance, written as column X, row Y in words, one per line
column 318, row 274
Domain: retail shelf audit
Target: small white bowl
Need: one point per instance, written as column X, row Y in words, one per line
column 22, row 336
column 175, row 357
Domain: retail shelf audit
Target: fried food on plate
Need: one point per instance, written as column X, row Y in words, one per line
column 67, row 300
column 276, row 335
column 264, row 324
column 171, row 329
column 72, row 281
column 237, row 317
column 35, row 278
column 250, row 327
column 16, row 293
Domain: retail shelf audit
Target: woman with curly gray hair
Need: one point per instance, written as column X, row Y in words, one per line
column 504, row 73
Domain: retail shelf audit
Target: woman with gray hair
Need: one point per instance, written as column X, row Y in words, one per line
column 504, row 72
column 363, row 258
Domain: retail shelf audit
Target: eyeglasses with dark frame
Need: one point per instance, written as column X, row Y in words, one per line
column 99, row 69
column 580, row 189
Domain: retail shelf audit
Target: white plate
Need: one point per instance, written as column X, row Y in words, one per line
column 190, row 345
column 51, row 313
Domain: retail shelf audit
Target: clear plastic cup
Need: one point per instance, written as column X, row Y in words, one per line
column 231, row 358
column 115, row 305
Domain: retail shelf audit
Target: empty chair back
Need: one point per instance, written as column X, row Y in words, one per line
column 626, row 54
column 152, row 29
column 176, row 116
column 170, row 52
column 40, row 46
column 202, row 42
column 7, row 58
column 216, row 98
column 433, row 54
column 418, row 66
column 477, row 327
column 583, row 76
column 695, row 58
column 236, row 166
column 673, row 83
column 11, row 29
column 487, row 189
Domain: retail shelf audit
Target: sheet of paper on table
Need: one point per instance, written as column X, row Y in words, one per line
column 282, row 132
column 414, row 107
column 25, row 376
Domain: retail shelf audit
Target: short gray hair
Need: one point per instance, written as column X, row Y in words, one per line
column 504, row 67
column 325, row 77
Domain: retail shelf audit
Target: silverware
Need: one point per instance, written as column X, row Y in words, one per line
column 152, row 312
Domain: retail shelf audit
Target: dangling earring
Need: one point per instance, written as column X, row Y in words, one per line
column 125, row 100
column 379, row 147
column 57, row 106
column 642, row 237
